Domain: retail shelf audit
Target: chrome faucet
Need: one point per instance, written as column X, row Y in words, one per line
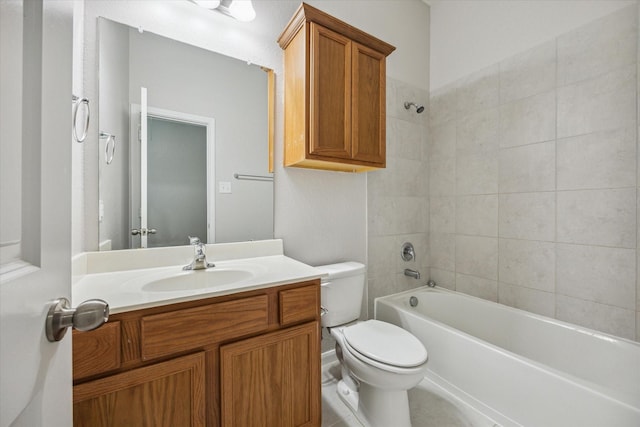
column 412, row 273
column 199, row 257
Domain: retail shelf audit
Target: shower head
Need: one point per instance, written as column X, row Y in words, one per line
column 419, row 108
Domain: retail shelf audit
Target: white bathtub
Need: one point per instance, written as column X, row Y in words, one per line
column 527, row 369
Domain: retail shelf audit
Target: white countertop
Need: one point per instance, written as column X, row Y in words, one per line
column 127, row 290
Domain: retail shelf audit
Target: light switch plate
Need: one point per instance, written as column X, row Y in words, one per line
column 224, row 187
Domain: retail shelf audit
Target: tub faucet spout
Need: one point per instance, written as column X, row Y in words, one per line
column 412, row 273
column 199, row 257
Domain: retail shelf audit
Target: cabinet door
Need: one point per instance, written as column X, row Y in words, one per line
column 369, row 108
column 273, row 379
column 330, row 94
column 166, row 394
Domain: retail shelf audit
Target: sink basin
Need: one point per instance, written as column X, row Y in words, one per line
column 198, row 279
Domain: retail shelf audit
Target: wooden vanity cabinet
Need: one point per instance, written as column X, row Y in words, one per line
column 335, row 87
column 251, row 358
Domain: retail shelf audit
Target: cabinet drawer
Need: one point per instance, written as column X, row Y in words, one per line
column 95, row 352
column 299, row 304
column 193, row 328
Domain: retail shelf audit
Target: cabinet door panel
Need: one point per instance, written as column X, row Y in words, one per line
column 369, row 108
column 273, row 379
column 330, row 98
column 166, row 394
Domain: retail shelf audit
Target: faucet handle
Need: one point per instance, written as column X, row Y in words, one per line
column 194, row 240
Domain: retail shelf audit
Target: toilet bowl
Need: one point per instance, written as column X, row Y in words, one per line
column 380, row 361
column 383, row 370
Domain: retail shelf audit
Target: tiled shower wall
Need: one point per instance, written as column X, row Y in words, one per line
column 397, row 197
column 533, row 180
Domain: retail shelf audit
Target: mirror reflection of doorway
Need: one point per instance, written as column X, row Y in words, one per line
column 177, row 181
column 172, row 177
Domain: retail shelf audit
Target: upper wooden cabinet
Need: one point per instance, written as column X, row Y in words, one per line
column 335, row 83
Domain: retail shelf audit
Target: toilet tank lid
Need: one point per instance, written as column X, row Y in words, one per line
column 342, row 269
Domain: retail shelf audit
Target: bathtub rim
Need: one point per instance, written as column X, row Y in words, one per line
column 602, row 390
column 567, row 325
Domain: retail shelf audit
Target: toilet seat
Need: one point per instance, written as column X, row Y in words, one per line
column 384, row 345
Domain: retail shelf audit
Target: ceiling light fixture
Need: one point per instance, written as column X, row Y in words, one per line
column 242, row 10
column 208, row 4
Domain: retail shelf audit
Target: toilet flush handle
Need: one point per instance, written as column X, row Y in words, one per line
column 323, row 311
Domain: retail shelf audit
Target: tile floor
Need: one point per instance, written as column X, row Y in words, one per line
column 428, row 406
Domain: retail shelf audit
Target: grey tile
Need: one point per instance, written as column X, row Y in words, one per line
column 442, row 251
column 638, row 326
column 420, row 242
column 477, row 215
column 443, row 278
column 529, row 216
column 381, row 254
column 442, row 214
column 442, row 177
column 528, row 73
column 477, row 287
column 528, row 168
column 410, row 178
column 409, row 93
column 598, row 160
column 601, row 103
column 527, row 263
column 478, row 132
column 528, row 120
column 382, row 181
column 598, row 274
column 381, row 215
column 532, row 300
column 410, row 215
column 404, row 139
column 378, row 287
column 638, row 283
column 443, row 105
column 598, row 217
column 479, row 91
column 477, row 256
column 599, row 47
column 443, row 141
column 601, row 317
column 477, row 173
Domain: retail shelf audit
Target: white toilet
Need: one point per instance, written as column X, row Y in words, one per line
column 380, row 361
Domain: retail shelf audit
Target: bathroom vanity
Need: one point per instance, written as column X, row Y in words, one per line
column 246, row 355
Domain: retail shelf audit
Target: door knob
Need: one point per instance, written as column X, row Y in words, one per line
column 88, row 316
column 143, row 231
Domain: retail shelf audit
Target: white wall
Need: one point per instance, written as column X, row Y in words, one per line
column 320, row 215
column 467, row 36
column 11, row 129
column 114, row 119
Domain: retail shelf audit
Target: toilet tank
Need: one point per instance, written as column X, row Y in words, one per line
column 341, row 292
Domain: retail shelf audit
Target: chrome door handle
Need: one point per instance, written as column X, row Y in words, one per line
column 143, row 231
column 88, row 316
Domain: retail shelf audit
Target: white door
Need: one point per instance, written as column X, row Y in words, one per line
column 35, row 375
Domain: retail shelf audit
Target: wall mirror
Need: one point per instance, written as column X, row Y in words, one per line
column 185, row 137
